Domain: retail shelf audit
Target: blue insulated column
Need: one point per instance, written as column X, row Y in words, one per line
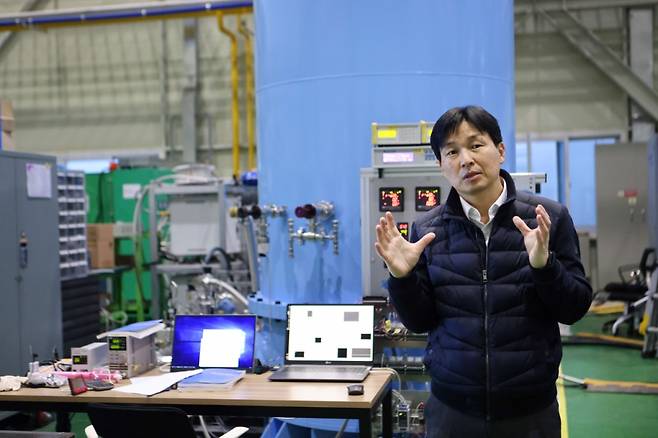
column 327, row 69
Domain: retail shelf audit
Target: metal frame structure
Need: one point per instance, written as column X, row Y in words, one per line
column 217, row 188
column 529, row 6
column 604, row 58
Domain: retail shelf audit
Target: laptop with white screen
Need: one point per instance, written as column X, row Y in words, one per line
column 213, row 341
column 328, row 342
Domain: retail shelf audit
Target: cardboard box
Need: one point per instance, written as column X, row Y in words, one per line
column 7, row 116
column 7, row 142
column 100, row 241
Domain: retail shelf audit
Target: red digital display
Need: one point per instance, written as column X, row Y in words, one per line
column 427, row 198
column 391, row 199
column 403, row 228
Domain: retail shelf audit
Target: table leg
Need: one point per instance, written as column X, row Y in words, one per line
column 387, row 413
column 365, row 425
column 63, row 422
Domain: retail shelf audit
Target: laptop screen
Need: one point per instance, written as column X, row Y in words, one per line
column 213, row 341
column 330, row 333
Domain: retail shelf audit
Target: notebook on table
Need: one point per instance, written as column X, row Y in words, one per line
column 328, row 342
column 212, row 379
column 213, row 341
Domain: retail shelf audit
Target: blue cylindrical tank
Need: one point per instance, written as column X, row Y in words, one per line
column 327, row 69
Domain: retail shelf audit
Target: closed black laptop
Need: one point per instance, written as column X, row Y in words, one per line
column 328, row 342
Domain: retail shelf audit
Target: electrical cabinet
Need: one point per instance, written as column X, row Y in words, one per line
column 31, row 314
column 621, row 207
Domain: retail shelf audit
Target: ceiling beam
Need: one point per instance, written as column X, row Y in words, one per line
column 527, row 6
column 8, row 38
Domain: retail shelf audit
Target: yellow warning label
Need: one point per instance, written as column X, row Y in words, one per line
column 387, row 133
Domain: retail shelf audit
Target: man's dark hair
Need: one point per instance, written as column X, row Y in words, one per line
column 448, row 123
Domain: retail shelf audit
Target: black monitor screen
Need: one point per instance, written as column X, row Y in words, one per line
column 391, row 199
column 427, row 198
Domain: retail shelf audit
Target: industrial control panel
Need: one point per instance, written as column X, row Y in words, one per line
column 406, row 196
column 406, row 180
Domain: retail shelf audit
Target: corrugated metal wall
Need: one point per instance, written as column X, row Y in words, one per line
column 96, row 90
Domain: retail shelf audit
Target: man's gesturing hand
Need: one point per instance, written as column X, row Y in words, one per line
column 399, row 255
column 536, row 241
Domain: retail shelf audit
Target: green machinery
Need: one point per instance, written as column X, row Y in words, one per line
column 112, row 198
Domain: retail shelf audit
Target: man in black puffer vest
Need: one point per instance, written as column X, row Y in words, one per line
column 488, row 275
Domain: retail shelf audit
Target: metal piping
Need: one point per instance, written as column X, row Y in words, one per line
column 235, row 103
column 190, row 90
column 227, row 287
column 117, row 13
column 249, row 79
column 163, row 66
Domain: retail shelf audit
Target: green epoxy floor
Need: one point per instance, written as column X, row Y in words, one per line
column 603, row 415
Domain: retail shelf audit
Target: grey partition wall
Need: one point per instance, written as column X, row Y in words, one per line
column 30, row 309
column 621, row 207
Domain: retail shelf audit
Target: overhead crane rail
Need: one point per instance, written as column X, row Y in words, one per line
column 118, row 13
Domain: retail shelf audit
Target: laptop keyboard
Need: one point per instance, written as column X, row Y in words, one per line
column 340, row 369
column 328, row 373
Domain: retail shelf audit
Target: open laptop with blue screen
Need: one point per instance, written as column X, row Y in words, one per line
column 213, row 341
column 328, row 342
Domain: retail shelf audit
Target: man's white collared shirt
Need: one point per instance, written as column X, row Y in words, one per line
column 474, row 216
